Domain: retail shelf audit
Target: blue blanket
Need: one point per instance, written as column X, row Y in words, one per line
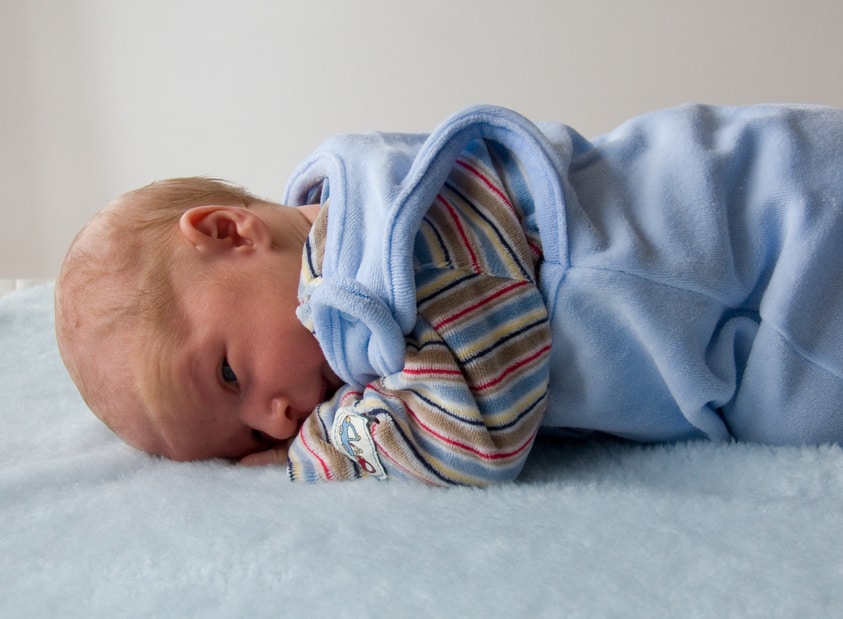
column 692, row 262
column 91, row 528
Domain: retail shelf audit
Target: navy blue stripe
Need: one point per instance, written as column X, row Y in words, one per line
column 521, row 415
column 445, row 411
column 310, row 258
column 441, row 241
column 506, row 338
column 450, row 286
column 419, row 459
column 503, row 240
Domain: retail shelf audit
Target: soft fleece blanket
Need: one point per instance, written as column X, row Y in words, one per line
column 92, row 528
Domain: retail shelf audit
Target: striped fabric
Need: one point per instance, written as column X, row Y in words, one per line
column 466, row 407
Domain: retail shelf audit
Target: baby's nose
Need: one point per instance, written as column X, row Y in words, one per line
column 282, row 422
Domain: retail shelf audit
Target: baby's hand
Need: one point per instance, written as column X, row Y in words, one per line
column 277, row 455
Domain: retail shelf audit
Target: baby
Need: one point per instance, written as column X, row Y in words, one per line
column 425, row 305
column 164, row 293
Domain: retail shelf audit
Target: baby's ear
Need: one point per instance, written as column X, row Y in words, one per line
column 219, row 228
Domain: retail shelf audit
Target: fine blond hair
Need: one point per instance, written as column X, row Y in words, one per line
column 118, row 277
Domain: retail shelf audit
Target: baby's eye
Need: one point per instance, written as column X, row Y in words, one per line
column 227, row 373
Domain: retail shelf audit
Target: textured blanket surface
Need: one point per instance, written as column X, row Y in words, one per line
column 92, row 528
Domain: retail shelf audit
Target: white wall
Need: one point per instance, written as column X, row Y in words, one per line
column 101, row 96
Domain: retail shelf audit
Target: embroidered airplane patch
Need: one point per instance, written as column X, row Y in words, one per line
column 352, row 434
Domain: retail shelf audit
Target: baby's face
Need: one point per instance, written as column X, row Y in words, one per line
column 249, row 373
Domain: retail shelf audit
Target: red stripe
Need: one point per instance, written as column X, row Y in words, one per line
column 488, row 183
column 401, row 466
column 504, row 198
column 453, row 442
column 461, row 231
column 351, row 395
column 479, row 304
column 511, row 369
column 432, row 371
column 322, row 463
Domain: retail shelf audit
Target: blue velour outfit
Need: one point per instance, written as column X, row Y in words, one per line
column 692, row 263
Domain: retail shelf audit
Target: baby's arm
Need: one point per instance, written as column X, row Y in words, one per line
column 466, row 405
column 465, row 408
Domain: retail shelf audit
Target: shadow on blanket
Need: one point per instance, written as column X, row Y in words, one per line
column 93, row 528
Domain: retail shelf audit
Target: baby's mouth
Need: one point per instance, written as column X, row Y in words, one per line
column 322, row 396
column 328, row 391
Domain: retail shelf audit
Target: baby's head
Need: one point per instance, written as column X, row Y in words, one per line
column 175, row 316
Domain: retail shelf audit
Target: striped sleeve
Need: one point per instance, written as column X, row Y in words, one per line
column 468, row 402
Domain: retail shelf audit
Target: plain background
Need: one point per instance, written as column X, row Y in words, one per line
column 101, row 96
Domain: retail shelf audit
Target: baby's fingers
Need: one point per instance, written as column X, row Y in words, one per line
column 276, row 456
